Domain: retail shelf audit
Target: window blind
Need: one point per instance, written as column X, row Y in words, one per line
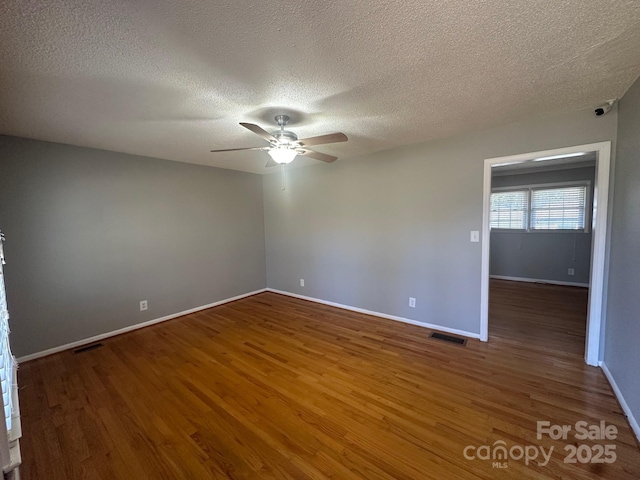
column 10, row 430
column 509, row 209
column 7, row 361
column 558, row 208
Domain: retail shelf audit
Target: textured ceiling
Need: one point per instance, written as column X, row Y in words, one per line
column 173, row 79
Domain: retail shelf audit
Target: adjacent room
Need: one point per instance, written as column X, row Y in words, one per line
column 303, row 240
column 541, row 247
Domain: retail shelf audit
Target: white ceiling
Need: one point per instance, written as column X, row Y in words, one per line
column 173, row 79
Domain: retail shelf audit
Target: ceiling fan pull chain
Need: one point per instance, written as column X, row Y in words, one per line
column 282, row 177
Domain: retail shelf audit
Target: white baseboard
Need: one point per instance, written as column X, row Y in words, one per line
column 378, row 314
column 130, row 328
column 623, row 403
column 539, row 280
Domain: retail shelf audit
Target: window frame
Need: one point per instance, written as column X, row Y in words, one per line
column 529, row 188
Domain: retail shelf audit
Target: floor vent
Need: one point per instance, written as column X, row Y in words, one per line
column 93, row 346
column 449, row 338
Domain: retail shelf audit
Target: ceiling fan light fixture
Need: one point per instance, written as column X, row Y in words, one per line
column 282, row 155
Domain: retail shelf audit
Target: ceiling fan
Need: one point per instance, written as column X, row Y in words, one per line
column 284, row 145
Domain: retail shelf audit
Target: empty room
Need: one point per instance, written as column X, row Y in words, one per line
column 540, row 251
column 308, row 240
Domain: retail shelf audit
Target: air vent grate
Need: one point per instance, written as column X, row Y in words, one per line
column 449, row 338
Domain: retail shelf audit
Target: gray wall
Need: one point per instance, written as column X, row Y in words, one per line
column 372, row 231
column 543, row 255
column 622, row 355
column 90, row 233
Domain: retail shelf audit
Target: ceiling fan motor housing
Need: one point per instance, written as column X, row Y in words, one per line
column 285, row 136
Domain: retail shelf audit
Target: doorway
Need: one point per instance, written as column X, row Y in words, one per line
column 598, row 221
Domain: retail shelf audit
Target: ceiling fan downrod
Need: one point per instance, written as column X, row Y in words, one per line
column 282, row 120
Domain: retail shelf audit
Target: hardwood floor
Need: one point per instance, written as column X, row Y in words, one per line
column 550, row 317
column 276, row 387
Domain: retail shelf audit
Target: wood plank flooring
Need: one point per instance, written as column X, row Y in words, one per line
column 280, row 388
column 551, row 317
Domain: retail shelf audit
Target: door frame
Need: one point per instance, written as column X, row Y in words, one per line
column 598, row 245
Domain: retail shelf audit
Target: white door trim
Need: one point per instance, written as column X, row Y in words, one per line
column 598, row 247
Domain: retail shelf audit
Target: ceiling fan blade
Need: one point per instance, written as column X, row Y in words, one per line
column 271, row 163
column 322, row 139
column 323, row 157
column 237, row 149
column 259, row 131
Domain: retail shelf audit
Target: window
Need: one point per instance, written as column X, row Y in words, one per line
column 509, row 209
column 541, row 207
column 9, row 445
column 558, row 208
column 7, row 362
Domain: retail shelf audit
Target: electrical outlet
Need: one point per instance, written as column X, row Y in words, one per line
column 144, row 305
column 412, row 302
column 302, row 282
column 571, row 271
